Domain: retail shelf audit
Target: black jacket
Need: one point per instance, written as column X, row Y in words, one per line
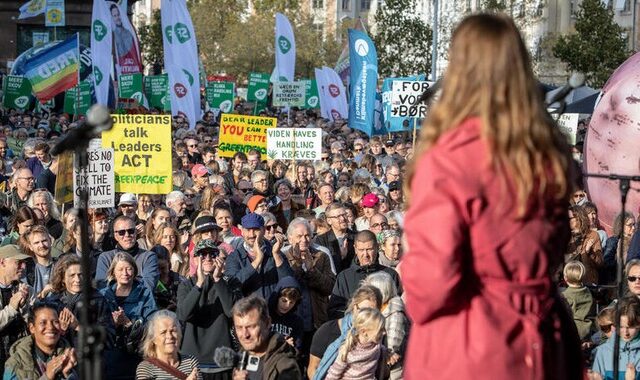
column 348, row 281
column 206, row 315
column 329, row 241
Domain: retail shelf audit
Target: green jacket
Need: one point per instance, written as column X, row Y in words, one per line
column 22, row 365
column 280, row 360
column 582, row 307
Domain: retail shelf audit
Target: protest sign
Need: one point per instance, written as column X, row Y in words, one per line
column 157, row 90
column 71, row 99
column 98, row 177
column 54, row 14
column 258, row 87
column 220, row 96
column 291, row 94
column 404, row 96
column 17, row 92
column 40, row 38
column 64, row 179
column 311, row 97
column 142, row 149
column 568, row 124
column 130, row 87
column 294, row 143
column 240, row 133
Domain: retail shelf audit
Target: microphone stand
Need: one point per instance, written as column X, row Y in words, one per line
column 624, row 182
column 91, row 336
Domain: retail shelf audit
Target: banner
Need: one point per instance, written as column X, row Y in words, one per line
column 98, row 177
column 64, row 179
column 404, row 96
column 71, row 100
column 101, row 46
column 55, row 69
column 289, row 94
column 342, row 65
column 17, row 92
column 32, row 8
column 220, row 96
column 54, row 15
column 181, row 60
column 333, row 96
column 39, row 38
column 130, row 87
column 393, row 122
column 126, row 40
column 285, row 51
column 141, row 145
column 294, row 143
column 258, row 87
column 156, row 88
column 364, row 78
column 311, row 97
column 240, row 133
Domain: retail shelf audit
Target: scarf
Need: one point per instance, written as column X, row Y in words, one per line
column 331, row 353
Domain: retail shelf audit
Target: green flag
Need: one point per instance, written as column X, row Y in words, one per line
column 258, row 87
column 130, row 87
column 220, row 95
column 157, row 90
column 311, row 99
column 71, row 99
column 17, row 92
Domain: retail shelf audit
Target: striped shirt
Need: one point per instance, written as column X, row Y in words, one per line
column 148, row 371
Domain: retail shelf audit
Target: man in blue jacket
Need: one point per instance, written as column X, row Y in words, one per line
column 256, row 264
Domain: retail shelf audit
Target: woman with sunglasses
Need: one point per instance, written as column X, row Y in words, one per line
column 270, row 227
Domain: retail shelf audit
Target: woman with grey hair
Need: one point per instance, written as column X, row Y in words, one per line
column 43, row 200
column 396, row 322
column 160, row 348
column 390, row 248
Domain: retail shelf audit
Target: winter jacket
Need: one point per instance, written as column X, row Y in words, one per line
column 330, row 241
column 629, row 353
column 139, row 304
column 206, row 313
column 280, row 360
column 582, row 307
column 147, row 263
column 348, row 281
column 22, row 364
column 262, row 281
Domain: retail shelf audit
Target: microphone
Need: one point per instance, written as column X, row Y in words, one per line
column 225, row 357
column 98, row 120
column 575, row 81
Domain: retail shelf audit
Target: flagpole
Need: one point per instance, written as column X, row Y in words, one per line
column 415, row 124
column 76, row 115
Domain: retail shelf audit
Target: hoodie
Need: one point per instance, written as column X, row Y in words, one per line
column 629, row 353
column 289, row 324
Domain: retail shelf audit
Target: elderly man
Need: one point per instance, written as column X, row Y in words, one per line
column 23, row 182
column 14, row 300
column 366, row 247
column 378, row 223
column 260, row 182
column 124, row 231
column 270, row 356
column 327, row 196
column 192, row 150
column 338, row 240
column 255, row 263
column 176, row 201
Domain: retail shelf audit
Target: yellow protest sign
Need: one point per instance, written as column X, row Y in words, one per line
column 64, row 179
column 142, row 153
column 241, row 133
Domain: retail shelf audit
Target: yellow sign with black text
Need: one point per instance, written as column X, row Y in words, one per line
column 242, row 133
column 142, row 153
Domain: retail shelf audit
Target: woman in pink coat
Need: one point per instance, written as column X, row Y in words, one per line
column 487, row 222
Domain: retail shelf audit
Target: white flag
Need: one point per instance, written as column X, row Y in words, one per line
column 335, row 95
column 32, row 8
column 181, row 59
column 285, row 51
column 321, row 83
column 101, row 46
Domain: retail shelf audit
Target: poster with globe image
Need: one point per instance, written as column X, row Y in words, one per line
column 220, row 96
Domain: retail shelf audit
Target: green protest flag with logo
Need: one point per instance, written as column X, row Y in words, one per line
column 17, row 92
column 258, row 87
column 220, row 95
column 311, row 99
column 156, row 88
column 71, row 99
column 130, row 87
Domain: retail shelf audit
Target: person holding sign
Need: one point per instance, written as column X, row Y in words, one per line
column 490, row 179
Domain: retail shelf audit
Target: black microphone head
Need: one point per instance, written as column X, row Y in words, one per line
column 99, row 118
column 225, row 357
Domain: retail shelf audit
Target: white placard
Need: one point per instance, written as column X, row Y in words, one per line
column 568, row 124
column 99, row 177
column 294, row 143
column 291, row 94
column 404, row 94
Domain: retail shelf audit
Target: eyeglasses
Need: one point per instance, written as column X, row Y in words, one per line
column 383, row 225
column 128, row 231
column 339, row 216
column 271, row 227
column 632, row 278
column 192, row 146
column 208, row 141
column 579, row 196
column 325, row 158
column 261, row 180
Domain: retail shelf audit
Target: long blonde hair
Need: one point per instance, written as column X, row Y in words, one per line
column 489, row 76
column 365, row 319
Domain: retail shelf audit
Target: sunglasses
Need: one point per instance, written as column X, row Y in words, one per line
column 633, row 278
column 129, row 231
column 271, row 227
column 244, row 190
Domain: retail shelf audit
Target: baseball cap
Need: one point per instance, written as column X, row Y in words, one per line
column 205, row 223
column 12, row 251
column 369, row 200
column 394, row 185
column 252, row 220
column 128, row 199
column 206, row 245
column 199, row 170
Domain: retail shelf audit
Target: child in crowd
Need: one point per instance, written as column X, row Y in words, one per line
column 362, row 355
column 629, row 344
column 605, row 322
column 579, row 298
column 282, row 309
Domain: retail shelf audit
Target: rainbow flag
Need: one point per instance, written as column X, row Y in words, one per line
column 55, row 69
